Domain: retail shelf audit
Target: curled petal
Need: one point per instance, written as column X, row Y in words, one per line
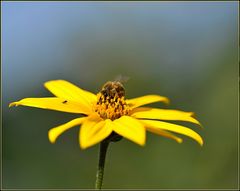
column 143, row 100
column 164, row 114
column 54, row 133
column 53, row 103
column 174, row 128
column 131, row 129
column 165, row 134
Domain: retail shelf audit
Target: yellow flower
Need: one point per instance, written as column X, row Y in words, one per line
column 109, row 112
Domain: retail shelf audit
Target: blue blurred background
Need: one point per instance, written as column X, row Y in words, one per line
column 187, row 51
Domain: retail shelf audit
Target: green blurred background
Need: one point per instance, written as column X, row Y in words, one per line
column 185, row 51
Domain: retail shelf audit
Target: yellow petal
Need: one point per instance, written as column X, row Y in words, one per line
column 93, row 132
column 174, row 128
column 164, row 114
column 165, row 134
column 54, row 133
column 53, row 103
column 139, row 101
column 131, row 129
column 67, row 90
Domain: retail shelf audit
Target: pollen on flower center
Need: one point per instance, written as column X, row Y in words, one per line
column 111, row 103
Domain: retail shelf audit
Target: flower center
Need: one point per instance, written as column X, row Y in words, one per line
column 110, row 101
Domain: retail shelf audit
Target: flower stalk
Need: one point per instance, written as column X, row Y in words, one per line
column 102, row 156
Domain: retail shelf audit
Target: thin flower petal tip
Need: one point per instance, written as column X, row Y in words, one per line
column 179, row 140
column 52, row 136
column 199, row 141
column 13, row 104
column 16, row 103
column 194, row 116
column 167, row 101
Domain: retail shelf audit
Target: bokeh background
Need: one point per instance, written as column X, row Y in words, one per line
column 187, row 51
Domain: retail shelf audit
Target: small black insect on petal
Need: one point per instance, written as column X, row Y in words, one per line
column 65, row 101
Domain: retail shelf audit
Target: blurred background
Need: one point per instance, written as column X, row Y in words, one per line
column 187, row 51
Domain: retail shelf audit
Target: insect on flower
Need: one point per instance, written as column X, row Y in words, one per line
column 110, row 113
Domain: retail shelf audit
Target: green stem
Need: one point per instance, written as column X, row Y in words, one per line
column 102, row 155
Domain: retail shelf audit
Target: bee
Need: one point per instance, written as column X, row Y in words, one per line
column 112, row 88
